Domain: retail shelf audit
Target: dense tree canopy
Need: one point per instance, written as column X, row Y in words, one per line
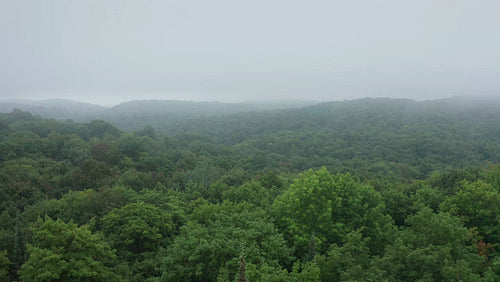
column 364, row 190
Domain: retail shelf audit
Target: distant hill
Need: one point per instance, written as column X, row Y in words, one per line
column 139, row 113
column 53, row 108
column 162, row 114
column 358, row 113
column 199, row 108
column 177, row 107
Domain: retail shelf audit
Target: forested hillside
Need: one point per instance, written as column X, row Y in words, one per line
column 362, row 190
column 368, row 137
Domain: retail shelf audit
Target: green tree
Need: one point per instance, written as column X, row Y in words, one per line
column 81, row 206
column 433, row 247
column 351, row 261
column 21, row 183
column 137, row 227
column 478, row 205
column 20, row 144
column 100, row 128
column 330, row 207
column 251, row 192
column 65, row 252
column 4, row 266
column 209, row 246
column 138, row 231
column 92, row 175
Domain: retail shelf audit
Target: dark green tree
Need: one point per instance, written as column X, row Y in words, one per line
column 432, row 247
column 477, row 204
column 4, row 266
column 212, row 242
column 138, row 231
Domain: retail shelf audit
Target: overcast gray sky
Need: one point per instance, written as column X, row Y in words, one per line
column 107, row 51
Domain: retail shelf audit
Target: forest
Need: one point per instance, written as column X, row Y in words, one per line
column 358, row 190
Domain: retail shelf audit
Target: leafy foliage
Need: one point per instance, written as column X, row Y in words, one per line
column 329, row 207
column 363, row 190
column 63, row 251
column 211, row 243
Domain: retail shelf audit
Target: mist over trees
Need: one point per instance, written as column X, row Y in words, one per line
column 361, row 190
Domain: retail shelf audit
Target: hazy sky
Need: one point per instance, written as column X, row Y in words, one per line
column 107, row 51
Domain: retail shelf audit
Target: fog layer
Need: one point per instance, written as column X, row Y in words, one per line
column 111, row 51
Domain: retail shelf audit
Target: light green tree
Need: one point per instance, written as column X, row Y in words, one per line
column 331, row 206
column 65, row 252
